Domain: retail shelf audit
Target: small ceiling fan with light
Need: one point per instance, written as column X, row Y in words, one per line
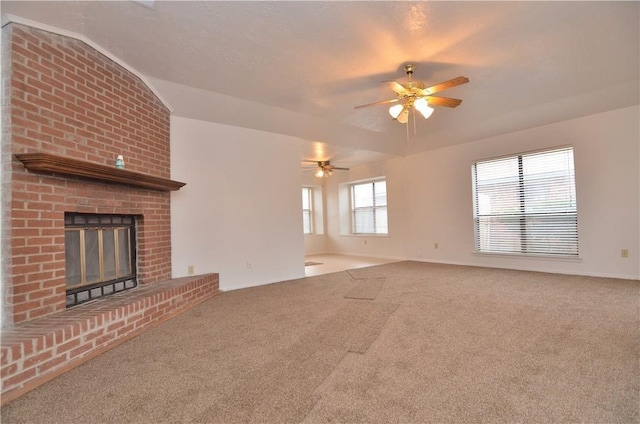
column 325, row 168
column 414, row 95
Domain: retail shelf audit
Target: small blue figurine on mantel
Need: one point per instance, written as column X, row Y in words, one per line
column 120, row 162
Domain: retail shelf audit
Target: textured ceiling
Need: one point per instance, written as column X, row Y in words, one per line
column 299, row 68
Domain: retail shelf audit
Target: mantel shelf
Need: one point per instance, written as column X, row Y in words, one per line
column 45, row 163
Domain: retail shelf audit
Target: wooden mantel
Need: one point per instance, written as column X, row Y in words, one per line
column 45, row 163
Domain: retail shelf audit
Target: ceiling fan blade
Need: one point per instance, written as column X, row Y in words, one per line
column 383, row 102
column 340, row 169
column 443, row 101
column 397, row 87
column 445, row 85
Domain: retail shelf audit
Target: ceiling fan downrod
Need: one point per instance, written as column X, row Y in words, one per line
column 408, row 68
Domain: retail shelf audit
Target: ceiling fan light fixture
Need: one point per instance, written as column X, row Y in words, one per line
column 422, row 105
column 403, row 117
column 395, row 111
column 323, row 172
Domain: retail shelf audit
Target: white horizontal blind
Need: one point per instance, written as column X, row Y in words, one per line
column 307, row 219
column 369, row 208
column 526, row 204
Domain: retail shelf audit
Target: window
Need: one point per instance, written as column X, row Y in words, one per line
column 369, row 208
column 307, row 210
column 526, row 204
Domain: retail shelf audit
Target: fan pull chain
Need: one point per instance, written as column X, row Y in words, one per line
column 407, row 126
column 414, row 122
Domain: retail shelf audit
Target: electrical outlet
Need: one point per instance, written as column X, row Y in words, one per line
column 191, row 270
column 435, row 245
column 249, row 266
column 624, row 253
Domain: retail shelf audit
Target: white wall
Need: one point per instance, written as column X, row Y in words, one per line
column 237, row 210
column 240, row 213
column 430, row 198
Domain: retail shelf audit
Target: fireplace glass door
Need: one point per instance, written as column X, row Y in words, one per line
column 100, row 255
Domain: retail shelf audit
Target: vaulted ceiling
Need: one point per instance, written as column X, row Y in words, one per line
column 299, row 68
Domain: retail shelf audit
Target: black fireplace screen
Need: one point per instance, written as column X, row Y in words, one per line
column 100, row 255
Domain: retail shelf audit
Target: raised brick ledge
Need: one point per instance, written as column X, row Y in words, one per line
column 38, row 351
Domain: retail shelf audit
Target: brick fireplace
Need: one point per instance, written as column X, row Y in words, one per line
column 70, row 100
column 72, row 110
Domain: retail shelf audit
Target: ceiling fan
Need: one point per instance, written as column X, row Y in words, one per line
column 414, row 95
column 325, row 168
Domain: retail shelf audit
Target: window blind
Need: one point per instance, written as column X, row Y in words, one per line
column 307, row 219
column 369, row 208
column 526, row 204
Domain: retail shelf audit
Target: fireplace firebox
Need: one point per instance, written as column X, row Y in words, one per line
column 100, row 255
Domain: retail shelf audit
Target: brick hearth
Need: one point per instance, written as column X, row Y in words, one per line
column 35, row 352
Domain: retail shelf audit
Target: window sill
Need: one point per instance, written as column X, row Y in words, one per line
column 558, row 258
column 365, row 235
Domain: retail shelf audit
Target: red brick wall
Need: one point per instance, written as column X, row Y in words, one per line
column 68, row 99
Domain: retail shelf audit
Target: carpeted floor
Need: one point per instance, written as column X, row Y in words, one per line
column 406, row 342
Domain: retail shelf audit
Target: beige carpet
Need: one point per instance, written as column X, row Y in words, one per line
column 436, row 343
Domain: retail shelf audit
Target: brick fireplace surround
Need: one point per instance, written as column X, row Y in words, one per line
column 65, row 98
